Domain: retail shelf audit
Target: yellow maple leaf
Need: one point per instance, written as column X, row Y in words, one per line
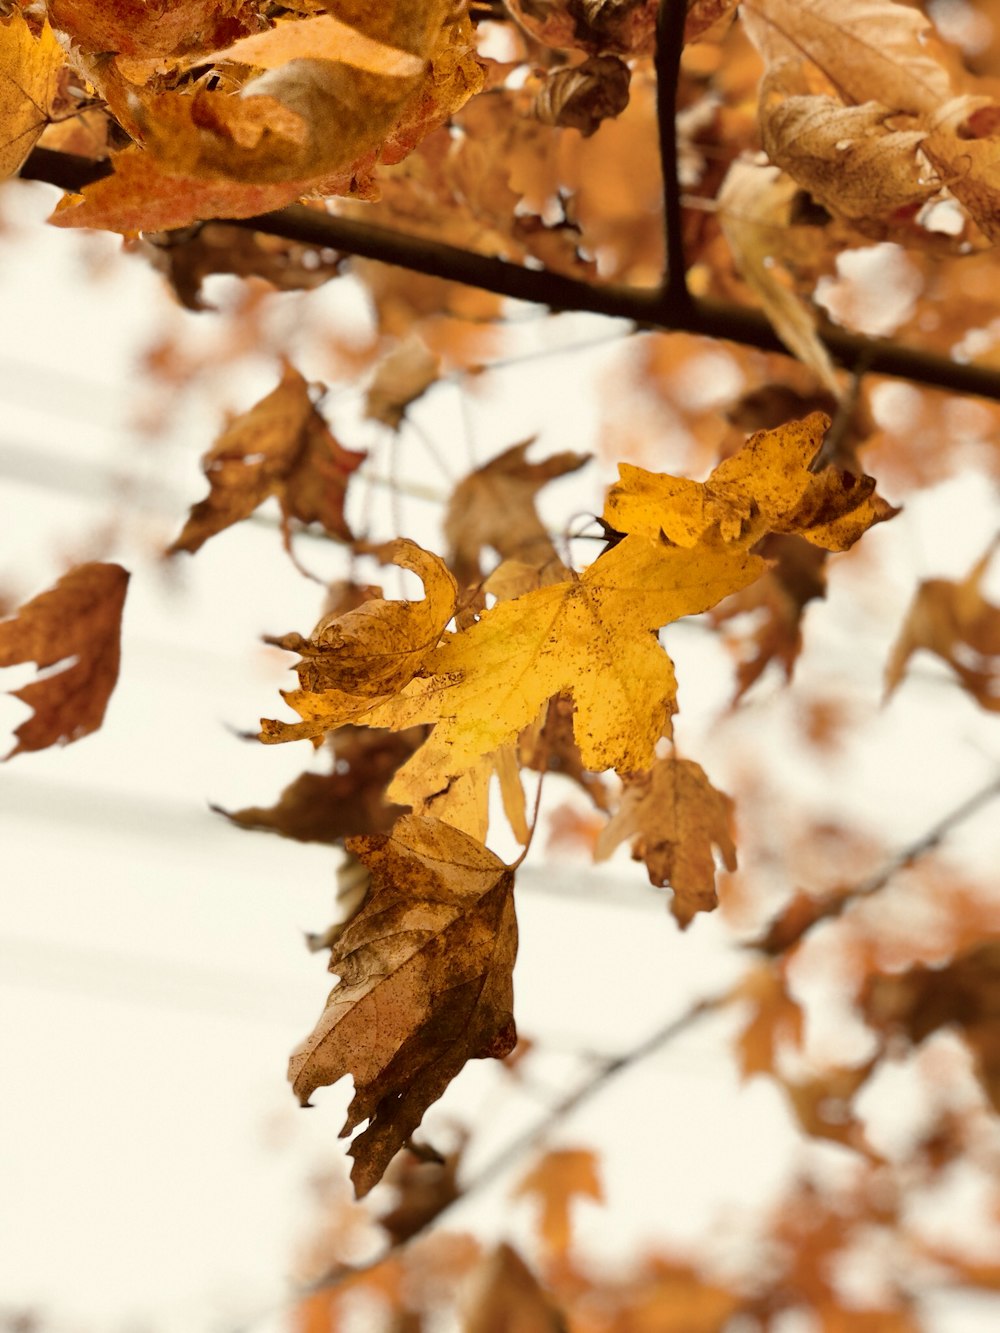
column 30, row 67
column 766, row 487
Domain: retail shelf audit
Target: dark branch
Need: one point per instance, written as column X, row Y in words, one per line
column 645, row 307
column 670, row 21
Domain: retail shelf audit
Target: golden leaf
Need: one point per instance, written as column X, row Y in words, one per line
column 766, row 487
column 425, row 984
column 30, row 69
column 77, row 622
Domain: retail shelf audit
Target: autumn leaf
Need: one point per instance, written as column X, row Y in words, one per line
column 774, row 1018
column 766, row 487
column 76, row 623
column 357, row 658
column 347, row 800
column 425, row 985
column 964, row 993
column 281, row 447
column 777, row 603
column 495, row 506
column 160, row 28
column 400, row 379
column 954, row 621
column 754, row 210
column 591, row 638
column 558, row 1178
column 582, row 97
column 505, row 1295
column 676, row 819
column 31, row 71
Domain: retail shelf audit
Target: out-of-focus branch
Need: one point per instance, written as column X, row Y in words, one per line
column 647, row 308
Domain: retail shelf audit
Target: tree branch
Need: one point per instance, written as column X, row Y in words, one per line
column 675, row 300
column 645, row 307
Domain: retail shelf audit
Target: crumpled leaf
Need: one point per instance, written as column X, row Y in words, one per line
column 280, row 447
column 581, row 97
column 767, row 486
column 400, row 379
column 623, row 27
column 885, row 52
column 954, row 621
column 555, row 1181
column 425, row 985
column 353, row 660
column 495, row 506
column 754, row 212
column 347, row 800
column 589, row 637
column 964, row 993
column 676, row 819
column 849, row 158
column 76, row 622
column 31, row 70
column 150, row 28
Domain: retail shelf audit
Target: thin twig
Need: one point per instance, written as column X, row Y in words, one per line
column 645, row 307
column 779, row 940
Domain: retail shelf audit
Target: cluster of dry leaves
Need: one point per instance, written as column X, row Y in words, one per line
column 527, row 130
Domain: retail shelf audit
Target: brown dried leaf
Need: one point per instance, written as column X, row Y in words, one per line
column 797, row 576
column 400, row 379
column 350, row 799
column 754, row 211
column 425, row 1188
column 77, row 622
column 555, row 1181
column 506, row 1295
column 495, row 506
column 965, row 994
column 676, row 819
column 425, row 985
column 280, row 447
column 954, row 621
column 581, row 97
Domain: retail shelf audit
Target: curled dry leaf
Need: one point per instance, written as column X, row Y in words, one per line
column 582, row 96
column 883, row 53
column 954, row 621
column 754, row 212
column 676, row 819
column 31, row 73
column 623, row 27
column 495, row 506
column 138, row 28
column 425, row 984
column 766, row 487
column 281, row 447
column 558, row 1178
column 77, row 622
column 354, row 659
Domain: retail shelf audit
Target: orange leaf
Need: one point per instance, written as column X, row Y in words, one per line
column 562, row 1175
